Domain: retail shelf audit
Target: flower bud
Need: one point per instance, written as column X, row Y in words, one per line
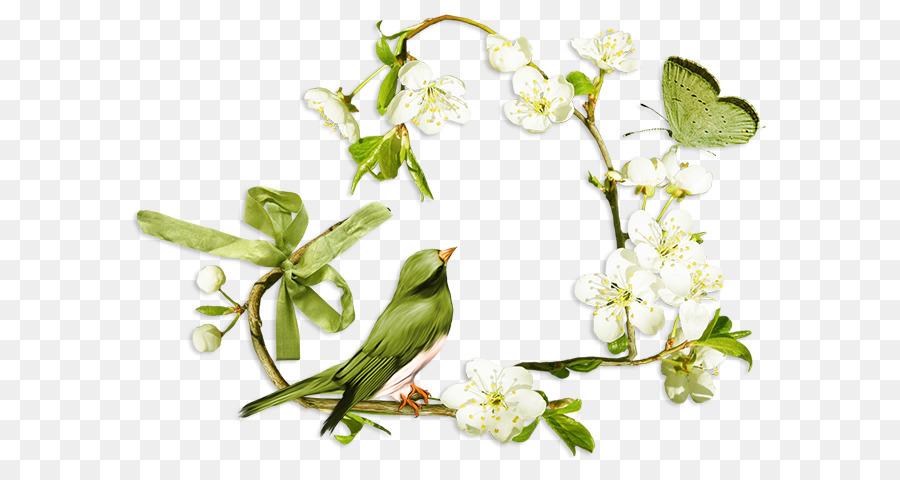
column 561, row 403
column 207, row 338
column 211, row 279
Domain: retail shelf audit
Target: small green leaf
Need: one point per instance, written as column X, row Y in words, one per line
column 728, row 346
column 389, row 157
column 388, row 90
column 572, row 407
column 370, row 152
column 571, row 432
column 389, row 37
column 716, row 325
column 584, row 366
column 384, row 52
column 618, row 345
column 415, row 171
column 738, row 334
column 561, row 373
column 595, row 181
column 527, row 431
column 582, row 83
column 355, row 424
column 213, row 311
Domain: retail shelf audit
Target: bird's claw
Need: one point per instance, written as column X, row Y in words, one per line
column 424, row 393
column 406, row 401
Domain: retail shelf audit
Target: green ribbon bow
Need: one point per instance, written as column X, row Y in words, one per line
column 282, row 216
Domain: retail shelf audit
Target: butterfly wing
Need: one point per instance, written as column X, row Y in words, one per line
column 698, row 117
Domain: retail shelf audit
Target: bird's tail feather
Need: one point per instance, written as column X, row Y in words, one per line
column 347, row 402
column 316, row 384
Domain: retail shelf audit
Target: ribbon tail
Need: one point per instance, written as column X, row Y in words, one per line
column 318, row 310
column 287, row 331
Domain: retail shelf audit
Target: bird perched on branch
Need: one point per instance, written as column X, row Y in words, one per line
column 407, row 335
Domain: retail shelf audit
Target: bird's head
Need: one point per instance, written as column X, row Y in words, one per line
column 424, row 272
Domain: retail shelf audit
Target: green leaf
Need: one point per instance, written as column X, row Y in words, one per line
column 571, row 432
column 543, row 395
column 415, row 171
column 213, row 311
column 355, row 424
column 572, row 407
column 738, row 334
column 382, row 151
column 561, row 373
column 582, row 83
column 584, row 366
column 388, row 89
column 526, row 432
column 728, row 346
column 389, row 37
column 594, row 181
column 384, row 52
column 618, row 345
column 716, row 325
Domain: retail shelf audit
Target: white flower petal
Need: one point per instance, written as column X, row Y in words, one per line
column 502, row 427
column 693, row 318
column 429, row 121
column 460, row 395
column 609, row 323
column 648, row 256
column 707, row 358
column 525, row 79
column 562, row 112
column 644, row 285
column 415, row 74
column 619, row 262
column 678, row 222
column 483, row 371
column 469, row 419
column 678, row 280
column 458, row 110
column 536, row 123
column 690, row 253
column 694, row 180
column 629, row 65
column 701, row 386
column 526, row 403
column 670, row 162
column 515, row 378
column 675, row 383
column 404, row 107
column 505, row 56
column 451, row 85
column 649, row 319
column 587, row 48
column 642, row 228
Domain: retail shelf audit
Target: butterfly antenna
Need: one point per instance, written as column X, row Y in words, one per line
column 654, row 111
column 648, row 130
column 707, row 151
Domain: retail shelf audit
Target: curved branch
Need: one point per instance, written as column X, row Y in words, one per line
column 268, row 364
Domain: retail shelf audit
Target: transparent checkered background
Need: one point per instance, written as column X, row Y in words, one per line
column 108, row 107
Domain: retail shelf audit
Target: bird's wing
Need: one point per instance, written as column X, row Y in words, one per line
column 403, row 330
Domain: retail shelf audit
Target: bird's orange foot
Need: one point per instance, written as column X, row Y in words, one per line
column 423, row 393
column 406, row 401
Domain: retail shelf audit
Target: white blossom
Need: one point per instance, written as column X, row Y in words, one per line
column 645, row 174
column 686, row 285
column 335, row 112
column 495, row 399
column 544, row 100
column 666, row 242
column 685, row 179
column 625, row 285
column 428, row 103
column 506, row 56
column 688, row 372
column 608, row 53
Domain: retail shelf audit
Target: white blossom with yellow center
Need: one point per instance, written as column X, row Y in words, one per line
column 666, row 242
column 645, row 174
column 544, row 100
column 495, row 400
column 626, row 285
column 685, row 179
column 335, row 112
column 608, row 53
column 504, row 55
column 688, row 287
column 430, row 104
column 690, row 371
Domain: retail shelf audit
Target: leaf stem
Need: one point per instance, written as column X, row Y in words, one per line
column 601, row 361
column 229, row 298
column 364, row 82
column 236, row 317
column 431, row 21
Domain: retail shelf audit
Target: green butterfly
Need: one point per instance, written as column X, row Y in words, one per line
column 698, row 116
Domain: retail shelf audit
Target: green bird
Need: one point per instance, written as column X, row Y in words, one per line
column 407, row 335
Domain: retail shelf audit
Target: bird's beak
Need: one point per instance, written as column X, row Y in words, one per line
column 445, row 254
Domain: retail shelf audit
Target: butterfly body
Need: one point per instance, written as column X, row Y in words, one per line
column 698, row 117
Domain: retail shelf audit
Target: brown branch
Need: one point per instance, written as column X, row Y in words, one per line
column 268, row 364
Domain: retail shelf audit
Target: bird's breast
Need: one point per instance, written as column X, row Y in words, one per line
column 399, row 382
